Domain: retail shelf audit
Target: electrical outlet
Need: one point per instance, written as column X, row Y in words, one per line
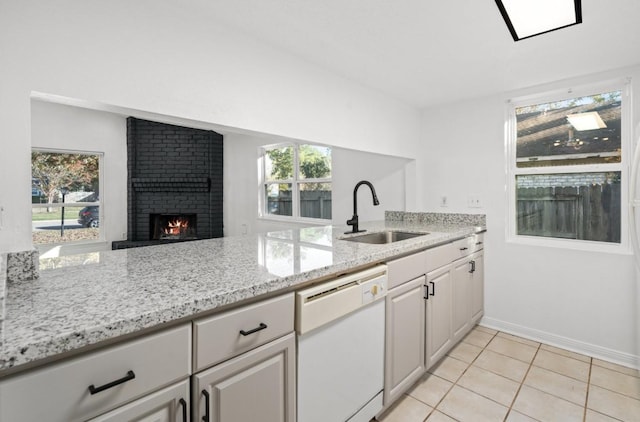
column 444, row 201
column 473, row 201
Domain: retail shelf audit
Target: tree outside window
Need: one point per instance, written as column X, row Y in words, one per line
column 65, row 196
column 297, row 181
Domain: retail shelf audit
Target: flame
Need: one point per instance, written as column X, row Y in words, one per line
column 176, row 226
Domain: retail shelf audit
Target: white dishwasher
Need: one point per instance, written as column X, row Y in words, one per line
column 340, row 326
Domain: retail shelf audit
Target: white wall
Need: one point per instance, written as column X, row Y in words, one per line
column 55, row 126
column 151, row 56
column 584, row 301
column 386, row 173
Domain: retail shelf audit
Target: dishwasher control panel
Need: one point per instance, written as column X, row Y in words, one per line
column 328, row 301
column 374, row 289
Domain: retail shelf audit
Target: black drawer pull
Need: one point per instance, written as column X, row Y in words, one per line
column 95, row 390
column 260, row 327
column 464, row 249
column 183, row 403
column 478, row 243
column 205, row 418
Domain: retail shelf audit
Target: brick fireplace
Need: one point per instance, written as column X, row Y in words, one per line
column 174, row 184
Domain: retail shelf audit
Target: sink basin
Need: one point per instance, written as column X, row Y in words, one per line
column 383, row 237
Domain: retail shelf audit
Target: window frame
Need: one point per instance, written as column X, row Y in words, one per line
column 295, row 182
column 624, row 86
column 46, row 249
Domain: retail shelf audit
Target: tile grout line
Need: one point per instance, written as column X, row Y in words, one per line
column 515, row 397
column 453, row 384
column 586, row 398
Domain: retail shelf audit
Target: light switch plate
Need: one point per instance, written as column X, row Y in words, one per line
column 473, row 201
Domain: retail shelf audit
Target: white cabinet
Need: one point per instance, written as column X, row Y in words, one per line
column 258, row 385
column 404, row 345
column 92, row 384
column 477, row 287
column 246, row 362
column 456, row 299
column 230, row 333
column 147, row 379
column 461, row 298
column 438, row 326
column 468, row 293
column 167, row 405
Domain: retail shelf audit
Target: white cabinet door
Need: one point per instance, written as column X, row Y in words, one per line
column 117, row 375
column 477, row 287
column 461, row 305
column 168, row 405
column 258, row 385
column 404, row 343
column 438, row 314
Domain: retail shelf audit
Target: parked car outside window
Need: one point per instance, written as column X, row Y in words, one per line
column 89, row 216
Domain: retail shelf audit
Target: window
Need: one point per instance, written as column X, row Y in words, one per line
column 296, row 182
column 65, row 193
column 566, row 173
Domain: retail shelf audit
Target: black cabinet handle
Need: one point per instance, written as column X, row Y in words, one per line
column 183, row 403
column 95, row 390
column 464, row 249
column 205, row 418
column 262, row 326
column 473, row 266
column 433, row 288
column 478, row 243
column 426, row 295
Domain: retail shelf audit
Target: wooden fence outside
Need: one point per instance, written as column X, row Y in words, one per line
column 313, row 204
column 579, row 212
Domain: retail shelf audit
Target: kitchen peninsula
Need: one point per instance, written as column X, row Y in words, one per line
column 81, row 303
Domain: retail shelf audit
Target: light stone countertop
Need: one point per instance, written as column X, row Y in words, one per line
column 85, row 299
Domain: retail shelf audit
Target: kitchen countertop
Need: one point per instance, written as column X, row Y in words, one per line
column 86, row 299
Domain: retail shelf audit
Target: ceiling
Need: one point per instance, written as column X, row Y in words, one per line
column 426, row 52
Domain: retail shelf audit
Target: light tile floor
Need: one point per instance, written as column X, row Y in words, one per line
column 494, row 376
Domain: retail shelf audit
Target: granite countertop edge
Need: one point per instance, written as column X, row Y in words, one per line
column 35, row 343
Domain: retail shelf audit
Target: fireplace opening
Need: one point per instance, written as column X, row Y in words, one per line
column 173, row 226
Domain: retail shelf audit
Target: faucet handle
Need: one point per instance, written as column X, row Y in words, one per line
column 354, row 222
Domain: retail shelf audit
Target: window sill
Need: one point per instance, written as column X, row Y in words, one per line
column 570, row 244
column 292, row 220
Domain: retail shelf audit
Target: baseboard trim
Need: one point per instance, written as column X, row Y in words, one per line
column 599, row 352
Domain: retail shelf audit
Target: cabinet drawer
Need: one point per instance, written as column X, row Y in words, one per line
column 401, row 270
column 220, row 337
column 61, row 392
column 439, row 256
column 169, row 404
column 468, row 245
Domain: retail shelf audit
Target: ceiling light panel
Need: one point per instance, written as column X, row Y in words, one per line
column 526, row 18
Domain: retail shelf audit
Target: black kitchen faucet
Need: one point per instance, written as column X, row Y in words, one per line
column 354, row 220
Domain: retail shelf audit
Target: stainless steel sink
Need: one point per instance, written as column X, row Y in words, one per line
column 383, row 237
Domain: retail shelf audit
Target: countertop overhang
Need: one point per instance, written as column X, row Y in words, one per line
column 90, row 299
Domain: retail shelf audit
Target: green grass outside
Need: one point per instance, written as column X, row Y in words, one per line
column 70, row 214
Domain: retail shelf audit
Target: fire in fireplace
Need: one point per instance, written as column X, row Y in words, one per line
column 173, row 226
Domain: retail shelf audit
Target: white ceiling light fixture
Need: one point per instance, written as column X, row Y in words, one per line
column 528, row 18
column 586, row 121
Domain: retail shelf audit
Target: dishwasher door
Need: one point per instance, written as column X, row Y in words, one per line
column 341, row 367
column 341, row 348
